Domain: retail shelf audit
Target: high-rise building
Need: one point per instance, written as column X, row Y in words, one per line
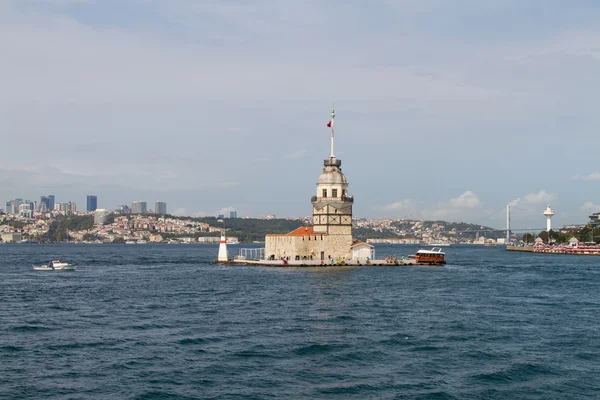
column 92, row 203
column 31, row 205
column 124, row 209
column 139, row 207
column 160, row 207
column 100, row 215
column 232, row 214
column 12, row 207
column 51, row 202
column 25, row 210
column 45, row 204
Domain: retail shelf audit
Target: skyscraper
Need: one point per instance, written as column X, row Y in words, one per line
column 160, row 207
column 232, row 214
column 50, row 202
column 12, row 207
column 92, row 203
column 45, row 203
column 139, row 207
column 100, row 216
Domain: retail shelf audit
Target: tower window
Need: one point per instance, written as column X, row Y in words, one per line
column 324, row 192
column 334, row 193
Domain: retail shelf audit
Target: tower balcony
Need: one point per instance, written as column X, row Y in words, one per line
column 347, row 199
column 332, row 162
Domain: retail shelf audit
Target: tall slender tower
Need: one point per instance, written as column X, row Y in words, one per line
column 332, row 206
column 548, row 213
column 508, row 224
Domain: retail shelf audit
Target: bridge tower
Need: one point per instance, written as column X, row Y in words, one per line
column 508, row 224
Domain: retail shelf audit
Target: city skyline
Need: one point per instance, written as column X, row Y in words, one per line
column 444, row 111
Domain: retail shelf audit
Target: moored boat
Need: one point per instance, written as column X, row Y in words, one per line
column 435, row 256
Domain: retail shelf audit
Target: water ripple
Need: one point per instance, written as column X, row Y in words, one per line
column 158, row 322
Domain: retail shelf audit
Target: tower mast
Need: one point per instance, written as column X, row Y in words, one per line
column 332, row 128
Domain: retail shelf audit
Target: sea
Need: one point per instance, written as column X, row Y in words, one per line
column 158, row 321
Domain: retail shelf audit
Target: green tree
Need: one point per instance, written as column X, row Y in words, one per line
column 527, row 238
column 562, row 237
column 89, row 237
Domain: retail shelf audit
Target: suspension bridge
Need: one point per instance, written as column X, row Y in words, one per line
column 508, row 228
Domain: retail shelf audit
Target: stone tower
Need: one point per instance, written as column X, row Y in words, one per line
column 332, row 207
column 330, row 237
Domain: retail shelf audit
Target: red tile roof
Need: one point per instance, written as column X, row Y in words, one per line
column 302, row 231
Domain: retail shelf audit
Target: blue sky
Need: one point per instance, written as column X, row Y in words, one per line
column 445, row 110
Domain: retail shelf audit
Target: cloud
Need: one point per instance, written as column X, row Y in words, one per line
column 460, row 206
column 541, row 197
column 154, row 95
column 466, row 200
column 594, row 176
column 589, row 206
column 399, row 205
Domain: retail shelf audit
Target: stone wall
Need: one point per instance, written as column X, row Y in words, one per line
column 307, row 246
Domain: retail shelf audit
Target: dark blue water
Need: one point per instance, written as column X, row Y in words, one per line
column 161, row 321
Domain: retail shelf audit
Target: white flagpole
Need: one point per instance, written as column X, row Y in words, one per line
column 332, row 129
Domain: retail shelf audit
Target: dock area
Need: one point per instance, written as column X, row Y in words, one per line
column 318, row 263
column 525, row 249
column 545, row 249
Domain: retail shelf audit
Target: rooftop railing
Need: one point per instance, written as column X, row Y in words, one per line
column 349, row 199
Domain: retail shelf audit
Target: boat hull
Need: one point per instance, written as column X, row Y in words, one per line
column 69, row 267
column 42, row 268
column 55, row 267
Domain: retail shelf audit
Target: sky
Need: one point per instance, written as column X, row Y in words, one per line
column 444, row 110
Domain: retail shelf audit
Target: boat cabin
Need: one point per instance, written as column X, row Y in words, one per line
column 433, row 256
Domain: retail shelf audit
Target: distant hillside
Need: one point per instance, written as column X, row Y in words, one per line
column 253, row 229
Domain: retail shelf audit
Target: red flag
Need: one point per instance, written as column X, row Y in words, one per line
column 329, row 124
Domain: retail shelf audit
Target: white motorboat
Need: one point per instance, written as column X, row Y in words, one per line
column 55, row 265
